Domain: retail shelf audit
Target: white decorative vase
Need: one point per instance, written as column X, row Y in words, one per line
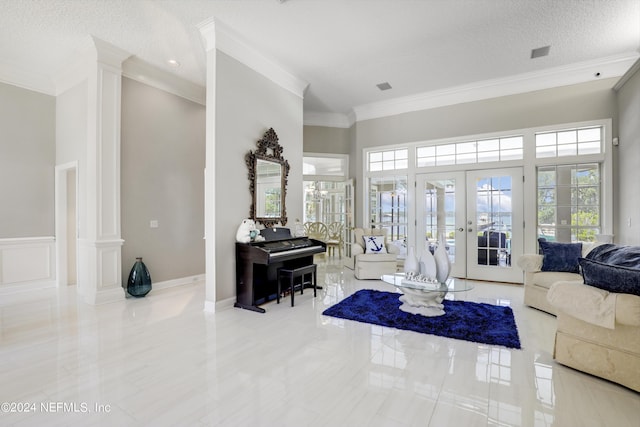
column 443, row 266
column 427, row 263
column 411, row 263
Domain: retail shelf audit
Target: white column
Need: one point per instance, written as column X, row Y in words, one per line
column 208, row 32
column 99, row 252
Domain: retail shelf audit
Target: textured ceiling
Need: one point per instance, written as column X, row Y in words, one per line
column 343, row 48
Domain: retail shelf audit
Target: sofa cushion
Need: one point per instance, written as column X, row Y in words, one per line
column 374, row 244
column 587, row 303
column 628, row 309
column 377, row 258
column 560, row 256
column 612, row 278
column 547, row 278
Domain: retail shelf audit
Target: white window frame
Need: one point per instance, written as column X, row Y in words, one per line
column 467, row 152
column 343, row 177
column 605, row 158
column 529, row 163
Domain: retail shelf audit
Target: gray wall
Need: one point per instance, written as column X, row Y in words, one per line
column 319, row 139
column 27, row 161
column 628, row 174
column 247, row 105
column 162, row 178
column 582, row 102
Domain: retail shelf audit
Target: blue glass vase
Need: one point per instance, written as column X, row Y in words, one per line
column 139, row 283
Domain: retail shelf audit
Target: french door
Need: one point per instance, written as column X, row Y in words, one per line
column 441, row 217
column 478, row 216
column 348, row 224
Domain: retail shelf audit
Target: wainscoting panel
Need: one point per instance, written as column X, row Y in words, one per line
column 27, row 260
column 110, row 267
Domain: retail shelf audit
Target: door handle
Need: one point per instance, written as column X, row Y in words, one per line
column 460, row 229
column 469, row 230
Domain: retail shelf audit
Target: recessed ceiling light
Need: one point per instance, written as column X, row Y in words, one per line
column 384, row 86
column 541, row 51
column 173, row 63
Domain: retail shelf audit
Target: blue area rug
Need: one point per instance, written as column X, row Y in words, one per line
column 463, row 320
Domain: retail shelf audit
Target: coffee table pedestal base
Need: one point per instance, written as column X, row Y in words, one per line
column 425, row 303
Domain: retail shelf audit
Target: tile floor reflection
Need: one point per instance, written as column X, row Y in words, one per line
column 162, row 361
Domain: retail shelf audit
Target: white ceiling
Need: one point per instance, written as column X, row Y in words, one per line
column 342, row 48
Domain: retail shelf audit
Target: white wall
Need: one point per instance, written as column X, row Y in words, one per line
column 627, row 231
column 247, row 105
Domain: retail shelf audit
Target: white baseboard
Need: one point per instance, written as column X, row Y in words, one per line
column 198, row 279
column 225, row 303
column 15, row 288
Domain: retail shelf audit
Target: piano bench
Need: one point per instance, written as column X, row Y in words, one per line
column 294, row 273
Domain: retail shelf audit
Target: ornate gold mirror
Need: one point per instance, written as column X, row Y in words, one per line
column 268, row 173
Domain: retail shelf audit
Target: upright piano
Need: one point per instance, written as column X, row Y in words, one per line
column 257, row 264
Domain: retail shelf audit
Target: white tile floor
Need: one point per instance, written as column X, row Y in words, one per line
column 162, row 361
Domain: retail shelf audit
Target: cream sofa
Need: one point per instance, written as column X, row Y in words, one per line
column 598, row 332
column 369, row 265
column 538, row 282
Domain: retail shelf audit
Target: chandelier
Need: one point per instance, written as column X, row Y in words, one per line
column 316, row 193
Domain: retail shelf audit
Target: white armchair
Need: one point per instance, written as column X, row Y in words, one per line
column 373, row 265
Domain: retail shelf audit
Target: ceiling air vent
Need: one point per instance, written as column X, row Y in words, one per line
column 541, row 51
column 384, row 86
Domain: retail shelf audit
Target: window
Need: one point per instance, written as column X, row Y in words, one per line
column 567, row 180
column 479, row 151
column 571, row 142
column 569, row 202
column 388, row 160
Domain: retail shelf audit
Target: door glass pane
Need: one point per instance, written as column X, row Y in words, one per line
column 440, row 215
column 388, row 208
column 494, row 220
column 324, row 201
column 348, row 218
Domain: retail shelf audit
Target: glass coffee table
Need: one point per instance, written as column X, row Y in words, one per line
column 424, row 298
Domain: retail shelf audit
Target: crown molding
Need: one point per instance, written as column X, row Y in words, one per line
column 217, row 35
column 25, row 79
column 324, row 119
column 132, row 67
column 630, row 72
column 78, row 70
column 136, row 69
column 613, row 66
column 72, row 75
column 109, row 54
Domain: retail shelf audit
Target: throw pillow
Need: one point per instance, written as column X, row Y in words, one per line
column 374, row 245
column 560, row 256
column 611, row 278
column 608, row 253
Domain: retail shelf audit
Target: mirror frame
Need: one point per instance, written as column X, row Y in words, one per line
column 268, row 142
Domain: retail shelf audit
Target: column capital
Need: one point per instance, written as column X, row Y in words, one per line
column 108, row 54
